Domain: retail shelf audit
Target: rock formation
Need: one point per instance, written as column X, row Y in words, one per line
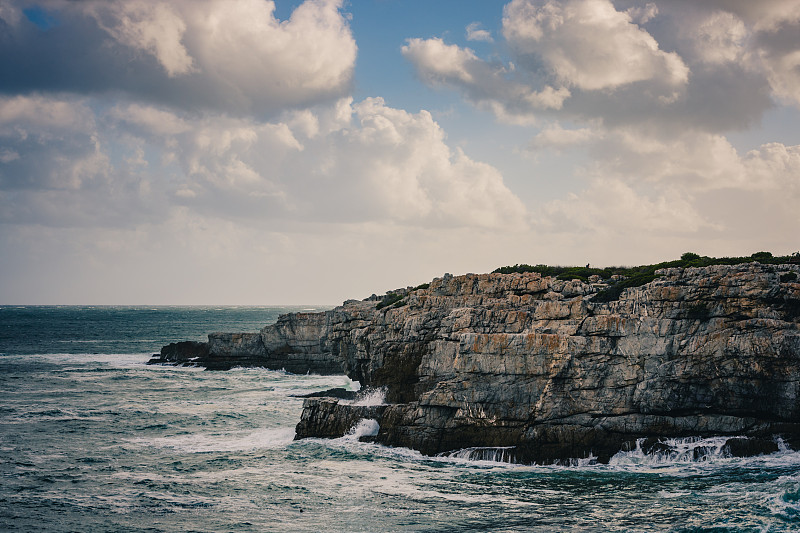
column 533, row 363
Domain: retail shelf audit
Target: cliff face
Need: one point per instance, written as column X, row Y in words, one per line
column 531, row 362
column 295, row 343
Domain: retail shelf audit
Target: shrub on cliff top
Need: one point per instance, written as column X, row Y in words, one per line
column 391, row 298
column 613, row 292
column 689, row 259
column 639, row 275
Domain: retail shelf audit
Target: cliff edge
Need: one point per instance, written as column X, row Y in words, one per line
column 535, row 365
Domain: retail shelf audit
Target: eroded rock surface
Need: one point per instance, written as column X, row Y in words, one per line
column 531, row 362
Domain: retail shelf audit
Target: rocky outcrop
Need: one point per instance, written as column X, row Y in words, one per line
column 331, row 418
column 295, row 343
column 533, row 363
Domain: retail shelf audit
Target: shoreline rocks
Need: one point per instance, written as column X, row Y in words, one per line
column 533, row 363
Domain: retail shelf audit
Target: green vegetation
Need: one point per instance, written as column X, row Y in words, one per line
column 639, row 275
column 397, row 299
column 614, row 291
column 391, row 298
column 787, row 277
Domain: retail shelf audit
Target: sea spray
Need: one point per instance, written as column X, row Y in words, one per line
column 366, row 427
column 371, row 397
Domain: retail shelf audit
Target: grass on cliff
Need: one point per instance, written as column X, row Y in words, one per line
column 639, row 275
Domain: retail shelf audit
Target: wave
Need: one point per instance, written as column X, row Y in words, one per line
column 267, row 438
column 500, row 454
column 691, row 450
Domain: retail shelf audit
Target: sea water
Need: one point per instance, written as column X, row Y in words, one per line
column 92, row 439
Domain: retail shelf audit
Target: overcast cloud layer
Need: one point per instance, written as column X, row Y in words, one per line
column 204, row 151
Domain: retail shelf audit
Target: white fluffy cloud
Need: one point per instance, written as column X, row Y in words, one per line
column 49, row 144
column 684, row 185
column 476, row 33
column 196, row 54
column 363, row 162
column 571, row 57
column 358, row 187
column 154, row 28
column 762, row 37
column 720, row 37
column 712, row 66
column 589, row 44
column 614, row 208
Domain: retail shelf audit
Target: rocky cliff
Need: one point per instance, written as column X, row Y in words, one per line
column 533, row 363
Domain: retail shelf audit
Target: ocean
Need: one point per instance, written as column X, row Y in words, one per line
column 93, row 439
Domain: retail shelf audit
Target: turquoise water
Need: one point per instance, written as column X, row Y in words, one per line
column 95, row 440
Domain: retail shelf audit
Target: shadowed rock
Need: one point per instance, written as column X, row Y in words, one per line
column 337, row 392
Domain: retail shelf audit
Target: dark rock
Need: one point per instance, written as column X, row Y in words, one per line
column 178, row 353
column 701, row 453
column 296, row 343
column 338, row 392
column 654, row 446
column 744, row 447
column 328, row 418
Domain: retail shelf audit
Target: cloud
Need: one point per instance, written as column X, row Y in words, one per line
column 702, row 66
column 340, row 163
column 766, row 15
column 762, row 37
column 47, row 144
column 588, row 44
column 207, row 54
column 694, row 184
column 576, row 58
column 156, row 29
column 779, row 51
column 642, row 14
column 557, row 138
column 720, row 37
column 475, row 33
column 613, row 207
column 488, row 85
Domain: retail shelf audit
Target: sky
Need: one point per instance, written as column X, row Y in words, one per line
column 250, row 152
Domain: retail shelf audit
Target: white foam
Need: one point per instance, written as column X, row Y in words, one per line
column 366, row 427
column 676, row 494
column 372, row 397
column 676, row 451
column 199, row 443
column 786, row 503
column 111, row 359
column 501, row 454
column 576, row 462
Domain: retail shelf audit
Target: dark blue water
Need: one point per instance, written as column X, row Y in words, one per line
column 92, row 439
column 121, row 329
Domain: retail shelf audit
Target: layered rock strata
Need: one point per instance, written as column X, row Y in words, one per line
column 531, row 362
column 295, row 343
